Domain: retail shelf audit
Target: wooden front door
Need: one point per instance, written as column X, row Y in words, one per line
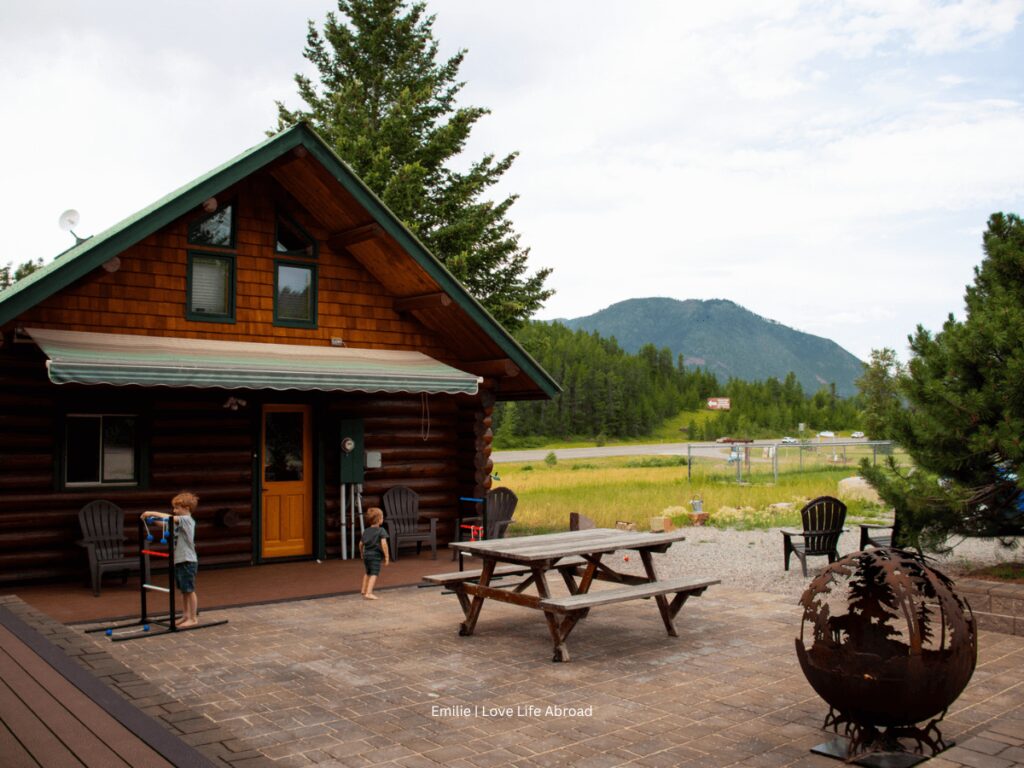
column 287, row 481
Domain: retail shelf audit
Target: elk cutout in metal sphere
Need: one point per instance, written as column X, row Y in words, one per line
column 888, row 644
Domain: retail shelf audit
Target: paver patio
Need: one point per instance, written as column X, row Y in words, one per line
column 344, row 681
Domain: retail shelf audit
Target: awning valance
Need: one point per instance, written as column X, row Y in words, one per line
column 156, row 361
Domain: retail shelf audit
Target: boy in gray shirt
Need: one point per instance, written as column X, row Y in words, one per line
column 186, row 562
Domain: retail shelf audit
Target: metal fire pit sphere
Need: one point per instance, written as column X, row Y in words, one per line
column 887, row 643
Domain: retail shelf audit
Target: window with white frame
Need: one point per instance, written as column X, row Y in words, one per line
column 100, row 449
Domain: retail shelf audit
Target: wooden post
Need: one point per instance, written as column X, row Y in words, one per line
column 483, row 438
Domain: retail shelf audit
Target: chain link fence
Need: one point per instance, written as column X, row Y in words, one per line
column 764, row 461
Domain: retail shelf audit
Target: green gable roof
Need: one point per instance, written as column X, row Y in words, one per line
column 86, row 256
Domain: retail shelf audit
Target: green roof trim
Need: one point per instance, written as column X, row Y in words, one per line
column 86, row 256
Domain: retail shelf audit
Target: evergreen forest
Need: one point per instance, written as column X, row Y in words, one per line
column 610, row 394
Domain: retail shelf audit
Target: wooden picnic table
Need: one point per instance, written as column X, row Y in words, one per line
column 577, row 556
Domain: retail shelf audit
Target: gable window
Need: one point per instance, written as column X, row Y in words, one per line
column 216, row 229
column 295, row 294
column 211, row 287
column 100, row 449
column 291, row 239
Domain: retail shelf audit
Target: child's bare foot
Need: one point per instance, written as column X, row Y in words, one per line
column 371, row 596
column 187, row 623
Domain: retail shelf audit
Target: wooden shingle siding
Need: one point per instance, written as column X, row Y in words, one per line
column 148, row 293
column 296, row 173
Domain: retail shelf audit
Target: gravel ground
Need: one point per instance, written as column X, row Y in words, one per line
column 753, row 559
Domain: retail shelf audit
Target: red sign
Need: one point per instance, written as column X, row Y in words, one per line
column 719, row 403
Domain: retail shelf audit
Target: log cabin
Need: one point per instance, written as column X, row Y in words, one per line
column 269, row 336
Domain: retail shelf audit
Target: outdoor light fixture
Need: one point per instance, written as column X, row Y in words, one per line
column 234, row 403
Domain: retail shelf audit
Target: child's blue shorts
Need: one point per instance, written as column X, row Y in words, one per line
column 185, row 575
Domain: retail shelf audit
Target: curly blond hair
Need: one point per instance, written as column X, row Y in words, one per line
column 186, row 499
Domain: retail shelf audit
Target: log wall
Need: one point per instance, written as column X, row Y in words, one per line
column 194, row 443
column 421, row 447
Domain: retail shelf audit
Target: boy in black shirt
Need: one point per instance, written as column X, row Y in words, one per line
column 373, row 548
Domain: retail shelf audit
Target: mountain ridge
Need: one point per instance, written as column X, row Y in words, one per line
column 726, row 339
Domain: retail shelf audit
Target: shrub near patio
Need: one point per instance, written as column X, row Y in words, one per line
column 635, row 490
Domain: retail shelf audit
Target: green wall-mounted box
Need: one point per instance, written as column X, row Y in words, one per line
column 350, row 440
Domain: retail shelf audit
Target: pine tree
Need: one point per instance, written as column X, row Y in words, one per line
column 879, row 387
column 387, row 106
column 964, row 420
column 23, row 270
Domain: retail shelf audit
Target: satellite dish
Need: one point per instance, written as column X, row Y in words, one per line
column 69, row 220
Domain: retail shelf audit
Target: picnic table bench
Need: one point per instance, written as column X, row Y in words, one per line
column 447, row 579
column 577, row 557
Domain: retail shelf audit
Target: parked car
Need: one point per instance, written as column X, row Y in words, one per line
column 724, row 440
column 826, row 433
column 790, row 441
column 856, row 434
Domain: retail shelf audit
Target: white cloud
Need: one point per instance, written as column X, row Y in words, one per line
column 827, row 165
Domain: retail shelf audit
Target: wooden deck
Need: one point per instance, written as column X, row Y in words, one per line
column 55, row 713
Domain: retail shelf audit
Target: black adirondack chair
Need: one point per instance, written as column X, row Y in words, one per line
column 872, row 535
column 823, row 520
column 102, row 524
column 402, row 521
column 499, row 506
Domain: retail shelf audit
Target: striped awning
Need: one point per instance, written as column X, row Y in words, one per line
column 156, row 361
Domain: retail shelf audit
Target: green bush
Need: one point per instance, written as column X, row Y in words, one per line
column 551, row 459
column 658, row 461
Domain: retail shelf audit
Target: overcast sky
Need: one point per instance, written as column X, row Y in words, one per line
column 829, row 165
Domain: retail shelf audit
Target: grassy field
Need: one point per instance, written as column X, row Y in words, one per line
column 671, row 430
column 636, row 489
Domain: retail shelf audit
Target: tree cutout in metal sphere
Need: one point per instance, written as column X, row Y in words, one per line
column 888, row 644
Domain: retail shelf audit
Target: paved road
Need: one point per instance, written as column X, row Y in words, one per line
column 654, row 449
column 658, row 449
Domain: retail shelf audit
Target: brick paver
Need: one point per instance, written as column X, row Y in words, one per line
column 346, row 682
column 1001, row 745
